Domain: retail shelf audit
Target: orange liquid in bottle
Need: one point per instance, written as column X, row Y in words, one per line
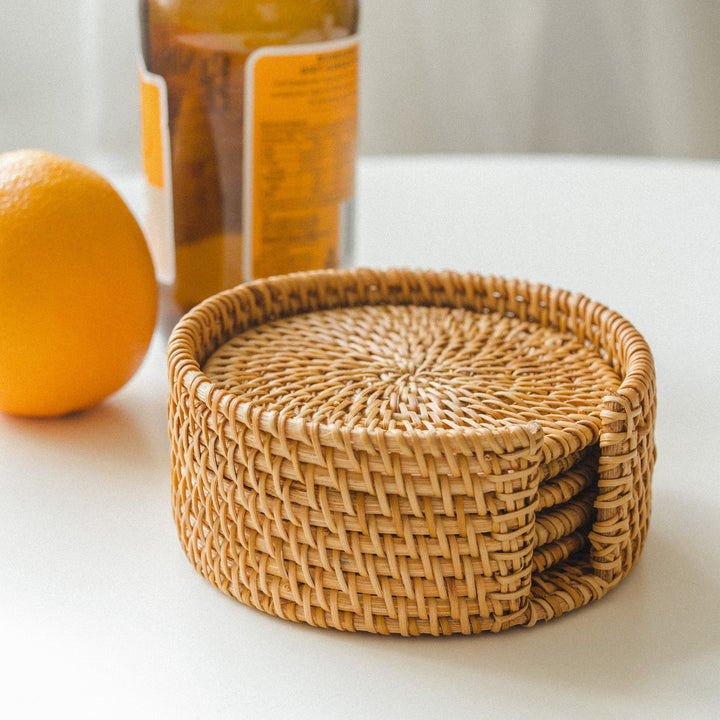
column 301, row 168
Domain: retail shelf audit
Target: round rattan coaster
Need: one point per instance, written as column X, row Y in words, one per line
column 410, row 452
column 410, row 367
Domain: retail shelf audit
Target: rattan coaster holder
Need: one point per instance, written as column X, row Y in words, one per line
column 387, row 498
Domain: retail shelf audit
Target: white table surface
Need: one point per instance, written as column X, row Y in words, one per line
column 102, row 616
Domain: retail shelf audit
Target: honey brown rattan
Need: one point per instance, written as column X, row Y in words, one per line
column 410, row 452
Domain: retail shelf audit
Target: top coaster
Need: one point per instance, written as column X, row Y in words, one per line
column 414, row 368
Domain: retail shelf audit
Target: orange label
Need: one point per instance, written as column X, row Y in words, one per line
column 152, row 127
column 300, row 154
column 156, row 166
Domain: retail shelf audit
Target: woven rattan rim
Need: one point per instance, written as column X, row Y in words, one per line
column 265, row 503
column 226, row 315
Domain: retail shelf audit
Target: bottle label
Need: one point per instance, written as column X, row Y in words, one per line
column 299, row 160
column 158, row 175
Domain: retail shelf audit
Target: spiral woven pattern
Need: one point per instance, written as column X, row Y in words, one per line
column 409, row 367
column 410, row 452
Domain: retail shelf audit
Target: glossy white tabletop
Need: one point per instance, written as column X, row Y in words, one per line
column 102, row 616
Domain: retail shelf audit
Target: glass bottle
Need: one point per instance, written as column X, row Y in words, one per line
column 249, row 124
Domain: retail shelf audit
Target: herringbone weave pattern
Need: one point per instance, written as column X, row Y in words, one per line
column 410, row 452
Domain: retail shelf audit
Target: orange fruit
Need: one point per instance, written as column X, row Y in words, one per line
column 78, row 295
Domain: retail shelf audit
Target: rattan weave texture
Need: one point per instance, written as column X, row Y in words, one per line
column 410, row 452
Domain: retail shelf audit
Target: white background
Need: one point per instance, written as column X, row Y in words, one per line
column 637, row 77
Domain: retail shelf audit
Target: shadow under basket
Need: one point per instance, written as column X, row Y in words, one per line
column 410, row 452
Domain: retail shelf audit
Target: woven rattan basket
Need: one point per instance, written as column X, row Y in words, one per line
column 410, row 452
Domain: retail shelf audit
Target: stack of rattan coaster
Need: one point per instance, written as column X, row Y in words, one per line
column 410, row 452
